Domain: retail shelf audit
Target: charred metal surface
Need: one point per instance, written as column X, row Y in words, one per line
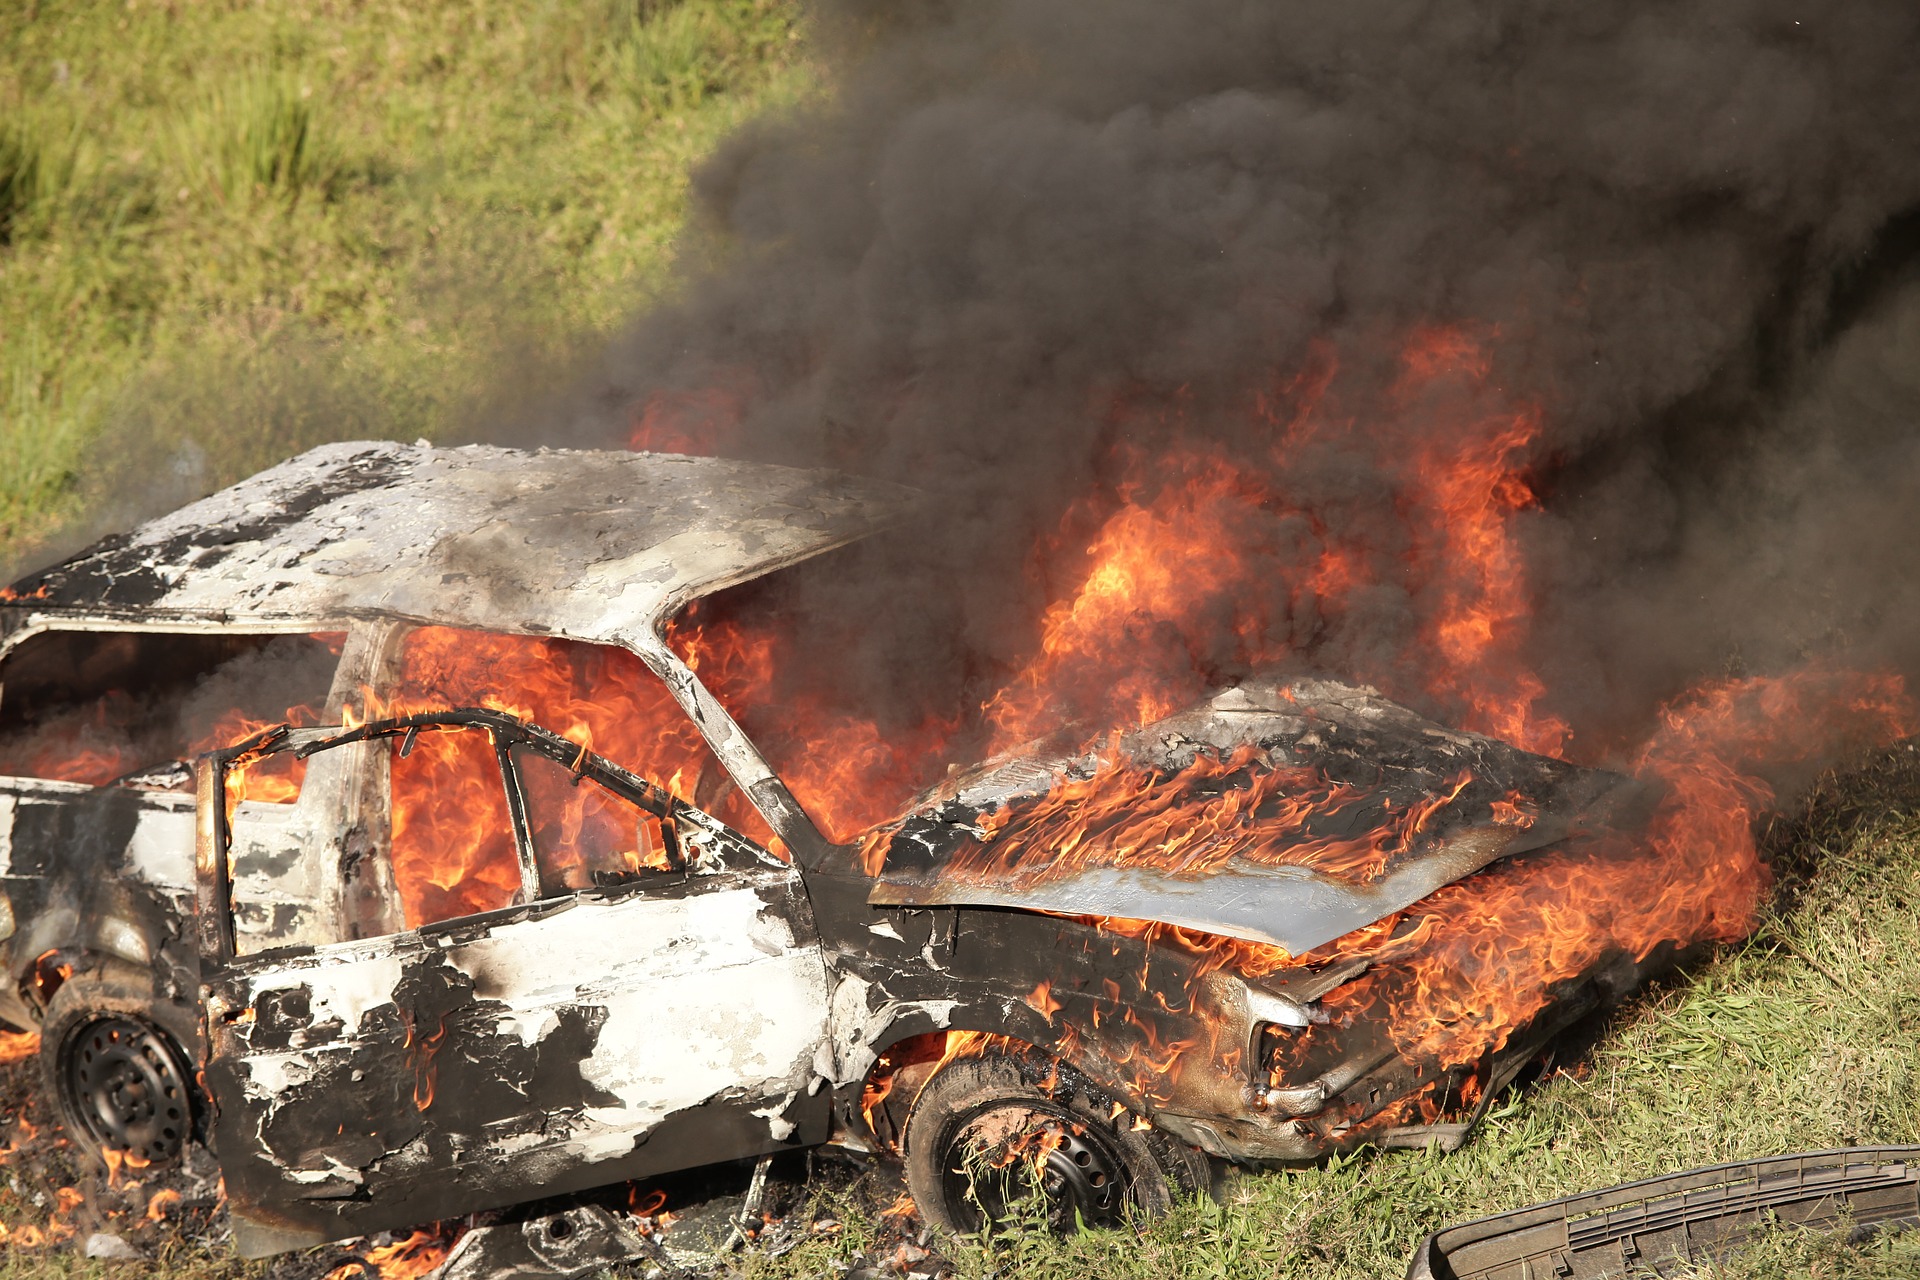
column 549, row 1046
column 579, row 1241
column 92, row 873
column 1137, row 1017
column 1689, row 1218
column 596, row 546
column 1503, row 801
column 106, row 874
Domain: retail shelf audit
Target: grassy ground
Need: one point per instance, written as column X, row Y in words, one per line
column 235, row 229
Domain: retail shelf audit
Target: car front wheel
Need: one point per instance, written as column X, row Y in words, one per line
column 1002, row 1140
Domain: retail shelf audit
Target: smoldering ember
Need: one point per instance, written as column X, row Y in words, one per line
column 1194, row 588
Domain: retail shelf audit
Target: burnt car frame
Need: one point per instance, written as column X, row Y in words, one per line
column 455, row 1100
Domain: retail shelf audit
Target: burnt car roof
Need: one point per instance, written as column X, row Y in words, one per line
column 597, row 546
column 1388, row 757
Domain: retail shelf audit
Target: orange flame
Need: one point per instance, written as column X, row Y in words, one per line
column 409, row 1259
column 1487, row 951
column 18, row 1046
column 452, row 843
column 1196, row 821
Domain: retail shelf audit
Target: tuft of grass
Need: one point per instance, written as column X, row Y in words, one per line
column 255, row 138
column 37, row 162
column 670, row 58
column 19, row 174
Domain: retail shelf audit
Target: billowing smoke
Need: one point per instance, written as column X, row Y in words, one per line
column 1026, row 252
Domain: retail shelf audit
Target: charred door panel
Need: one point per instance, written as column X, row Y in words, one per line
column 670, row 1018
column 378, row 1084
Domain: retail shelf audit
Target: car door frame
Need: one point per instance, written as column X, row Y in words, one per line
column 721, row 1128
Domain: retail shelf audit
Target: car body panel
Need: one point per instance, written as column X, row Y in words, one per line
column 1501, row 801
column 486, row 1060
column 596, row 546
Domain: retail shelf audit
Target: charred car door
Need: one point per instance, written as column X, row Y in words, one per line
column 595, row 982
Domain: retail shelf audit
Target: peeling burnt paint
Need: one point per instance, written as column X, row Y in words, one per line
column 551, row 1045
column 87, row 875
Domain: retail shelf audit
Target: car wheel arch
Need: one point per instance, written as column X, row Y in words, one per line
column 113, row 992
column 917, row 1039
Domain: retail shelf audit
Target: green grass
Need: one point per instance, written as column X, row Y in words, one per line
column 228, row 231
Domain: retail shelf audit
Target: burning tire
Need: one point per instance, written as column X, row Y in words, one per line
column 999, row 1139
column 111, row 1061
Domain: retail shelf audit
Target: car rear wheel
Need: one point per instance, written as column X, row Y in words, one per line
column 111, row 1061
column 1000, row 1140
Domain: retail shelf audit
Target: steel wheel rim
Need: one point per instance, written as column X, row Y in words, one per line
column 126, row 1088
column 1078, row 1176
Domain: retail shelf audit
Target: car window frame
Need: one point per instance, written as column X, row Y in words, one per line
column 215, row 897
column 585, row 766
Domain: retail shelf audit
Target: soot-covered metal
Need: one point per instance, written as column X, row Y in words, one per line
column 1480, row 800
column 667, row 992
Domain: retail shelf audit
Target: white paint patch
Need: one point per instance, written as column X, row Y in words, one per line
column 885, row 929
column 120, row 938
column 6, row 834
column 779, row 1128
column 270, row 1075
column 531, row 1028
column 161, row 851
column 333, row 1172
column 343, row 987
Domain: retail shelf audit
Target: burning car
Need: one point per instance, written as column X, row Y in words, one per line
column 406, row 962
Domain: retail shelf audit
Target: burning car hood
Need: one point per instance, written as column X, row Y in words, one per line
column 1397, row 807
column 596, row 546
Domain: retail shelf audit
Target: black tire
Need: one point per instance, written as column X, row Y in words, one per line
column 996, row 1138
column 113, row 1065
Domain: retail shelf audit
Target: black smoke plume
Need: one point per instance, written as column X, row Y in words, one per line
column 1017, row 235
